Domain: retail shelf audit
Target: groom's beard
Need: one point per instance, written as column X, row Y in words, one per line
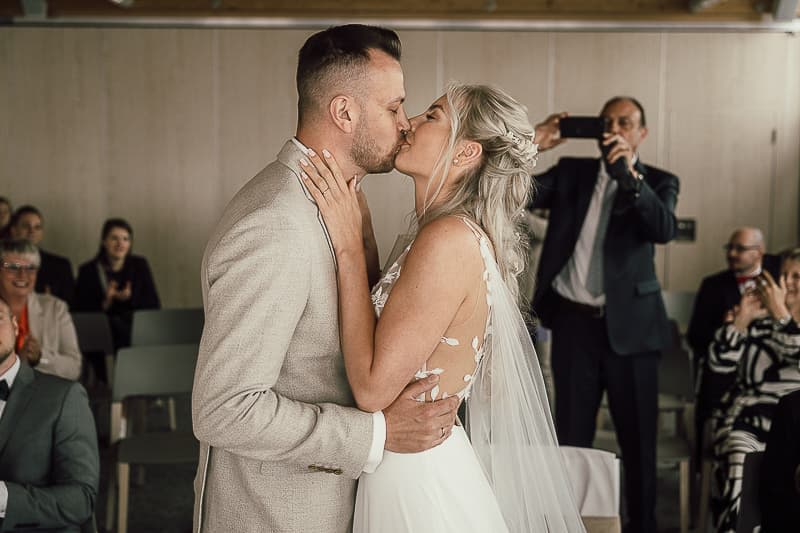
column 366, row 153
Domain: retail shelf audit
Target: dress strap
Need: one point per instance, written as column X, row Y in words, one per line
column 473, row 226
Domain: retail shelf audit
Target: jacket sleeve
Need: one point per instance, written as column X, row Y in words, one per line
column 655, row 209
column 544, row 188
column 68, row 500
column 62, row 357
column 147, row 294
column 257, row 288
column 701, row 330
column 88, row 295
column 727, row 349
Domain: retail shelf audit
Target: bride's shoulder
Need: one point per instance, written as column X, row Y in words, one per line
column 447, row 239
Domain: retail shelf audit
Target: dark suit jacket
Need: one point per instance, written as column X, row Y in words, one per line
column 89, row 292
column 717, row 294
column 55, row 274
column 635, row 316
column 89, row 295
column 48, row 454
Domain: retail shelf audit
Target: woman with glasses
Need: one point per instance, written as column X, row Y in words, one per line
column 47, row 339
column 760, row 344
column 116, row 281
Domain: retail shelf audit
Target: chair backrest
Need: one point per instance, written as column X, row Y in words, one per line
column 749, row 510
column 675, row 370
column 594, row 475
column 160, row 370
column 94, row 332
column 167, row 326
column 679, row 306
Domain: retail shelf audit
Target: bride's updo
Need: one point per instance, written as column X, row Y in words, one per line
column 496, row 192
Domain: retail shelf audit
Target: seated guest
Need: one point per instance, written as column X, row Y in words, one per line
column 55, row 272
column 760, row 345
column 47, row 339
column 116, row 281
column 49, row 464
column 718, row 293
column 5, row 216
column 779, row 493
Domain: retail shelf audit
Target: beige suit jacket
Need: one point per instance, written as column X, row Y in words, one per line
column 281, row 444
column 51, row 324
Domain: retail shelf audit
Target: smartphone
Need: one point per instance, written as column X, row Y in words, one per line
column 582, row 127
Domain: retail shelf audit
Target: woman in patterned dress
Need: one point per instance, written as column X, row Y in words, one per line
column 760, row 342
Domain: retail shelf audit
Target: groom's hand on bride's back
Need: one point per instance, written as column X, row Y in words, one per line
column 414, row 426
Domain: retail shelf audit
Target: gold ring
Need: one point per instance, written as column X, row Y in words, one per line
column 442, row 432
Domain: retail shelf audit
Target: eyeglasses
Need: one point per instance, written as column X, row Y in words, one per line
column 739, row 248
column 19, row 267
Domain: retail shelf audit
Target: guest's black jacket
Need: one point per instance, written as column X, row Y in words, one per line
column 717, row 294
column 55, row 276
column 635, row 316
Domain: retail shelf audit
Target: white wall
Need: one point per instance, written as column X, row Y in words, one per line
column 162, row 126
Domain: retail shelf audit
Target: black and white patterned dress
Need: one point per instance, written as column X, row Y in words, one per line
column 765, row 359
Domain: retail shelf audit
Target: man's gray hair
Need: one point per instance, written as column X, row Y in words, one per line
column 21, row 247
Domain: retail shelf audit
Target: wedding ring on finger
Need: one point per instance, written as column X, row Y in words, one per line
column 442, row 433
column 326, row 190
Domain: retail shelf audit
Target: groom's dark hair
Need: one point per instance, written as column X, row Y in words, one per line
column 337, row 57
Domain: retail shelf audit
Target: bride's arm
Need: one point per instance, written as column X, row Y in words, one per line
column 381, row 357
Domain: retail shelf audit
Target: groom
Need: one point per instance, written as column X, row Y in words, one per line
column 281, row 443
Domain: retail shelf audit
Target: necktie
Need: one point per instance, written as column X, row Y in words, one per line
column 743, row 279
column 4, row 390
column 594, row 277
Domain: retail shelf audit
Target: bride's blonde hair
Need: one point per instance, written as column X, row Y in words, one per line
column 496, row 192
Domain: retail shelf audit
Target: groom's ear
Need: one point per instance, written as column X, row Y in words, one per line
column 344, row 113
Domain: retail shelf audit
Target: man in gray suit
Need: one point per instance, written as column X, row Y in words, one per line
column 49, row 465
column 281, row 443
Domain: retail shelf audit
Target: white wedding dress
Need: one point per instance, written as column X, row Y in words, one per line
column 511, row 480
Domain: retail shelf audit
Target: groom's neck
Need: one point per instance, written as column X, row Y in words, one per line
column 319, row 139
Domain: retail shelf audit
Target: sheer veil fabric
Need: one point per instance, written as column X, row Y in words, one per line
column 509, row 422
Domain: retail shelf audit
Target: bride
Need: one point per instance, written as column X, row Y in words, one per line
column 448, row 306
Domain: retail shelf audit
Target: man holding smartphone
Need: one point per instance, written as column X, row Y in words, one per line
column 597, row 289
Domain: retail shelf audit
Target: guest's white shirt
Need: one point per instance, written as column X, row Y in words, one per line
column 571, row 281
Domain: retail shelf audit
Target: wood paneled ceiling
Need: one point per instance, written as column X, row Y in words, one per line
column 590, row 10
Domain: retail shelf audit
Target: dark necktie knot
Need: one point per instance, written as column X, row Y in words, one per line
column 4, row 390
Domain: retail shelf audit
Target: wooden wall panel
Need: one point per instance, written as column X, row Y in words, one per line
column 55, row 140
column 162, row 126
column 724, row 106
column 163, row 147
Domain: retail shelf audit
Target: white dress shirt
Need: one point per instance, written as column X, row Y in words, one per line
column 378, row 420
column 8, row 377
column 571, row 281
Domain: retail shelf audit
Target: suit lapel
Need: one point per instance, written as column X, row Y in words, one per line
column 18, row 399
column 584, row 192
column 290, row 156
column 731, row 292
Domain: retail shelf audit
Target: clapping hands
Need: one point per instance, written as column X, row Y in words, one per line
column 114, row 293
